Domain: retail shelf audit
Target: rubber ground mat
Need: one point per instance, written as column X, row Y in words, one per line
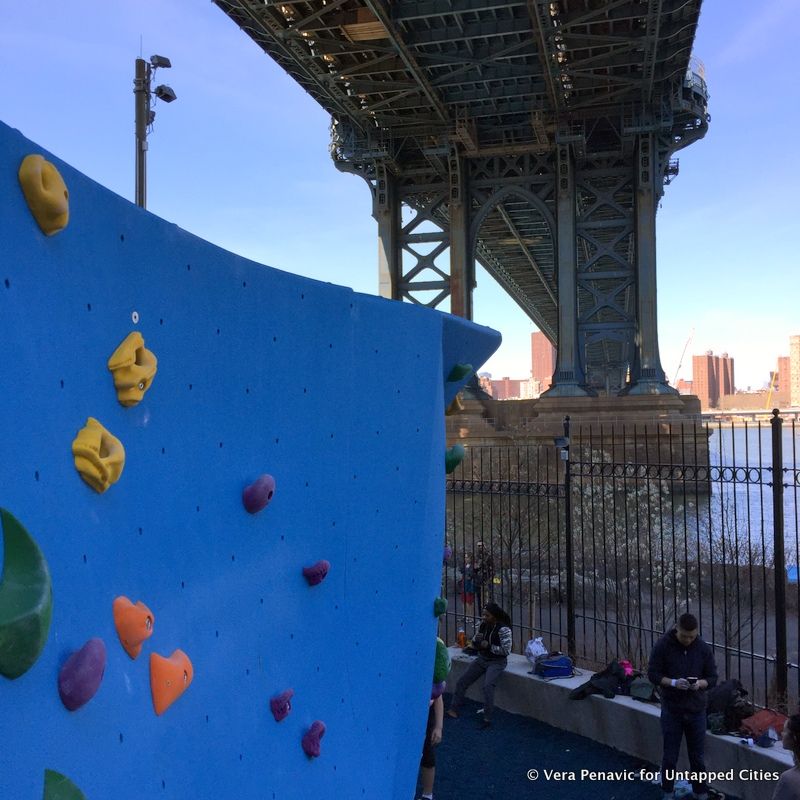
column 518, row 757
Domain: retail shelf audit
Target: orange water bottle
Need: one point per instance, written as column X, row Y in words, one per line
column 462, row 638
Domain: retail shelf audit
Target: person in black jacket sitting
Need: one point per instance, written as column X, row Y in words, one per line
column 493, row 641
column 682, row 664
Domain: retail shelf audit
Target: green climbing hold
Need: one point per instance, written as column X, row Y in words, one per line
column 59, row 787
column 453, row 456
column 458, row 372
column 441, row 664
column 26, row 599
column 439, row 606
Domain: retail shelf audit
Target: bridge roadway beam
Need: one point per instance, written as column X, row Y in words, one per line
column 462, row 261
column 386, row 210
column 568, row 378
column 647, row 374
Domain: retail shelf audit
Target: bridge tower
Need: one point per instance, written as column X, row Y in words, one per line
column 534, row 137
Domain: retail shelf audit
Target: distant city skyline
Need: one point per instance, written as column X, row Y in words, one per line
column 711, row 376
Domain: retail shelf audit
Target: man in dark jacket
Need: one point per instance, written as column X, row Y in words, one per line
column 682, row 664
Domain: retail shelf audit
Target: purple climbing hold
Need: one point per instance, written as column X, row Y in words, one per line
column 448, row 552
column 316, row 573
column 281, row 705
column 80, row 677
column 438, row 689
column 312, row 737
column 257, row 495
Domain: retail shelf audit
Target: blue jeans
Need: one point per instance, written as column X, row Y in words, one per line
column 674, row 725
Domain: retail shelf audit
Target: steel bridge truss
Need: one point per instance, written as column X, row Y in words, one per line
column 531, row 136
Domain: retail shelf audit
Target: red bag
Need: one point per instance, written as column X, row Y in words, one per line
column 761, row 722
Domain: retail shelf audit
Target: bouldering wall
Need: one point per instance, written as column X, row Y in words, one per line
column 339, row 397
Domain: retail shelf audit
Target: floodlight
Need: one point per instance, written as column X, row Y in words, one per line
column 160, row 61
column 165, row 93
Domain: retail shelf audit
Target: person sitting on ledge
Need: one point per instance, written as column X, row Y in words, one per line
column 493, row 642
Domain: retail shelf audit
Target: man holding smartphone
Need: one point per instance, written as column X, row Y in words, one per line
column 683, row 666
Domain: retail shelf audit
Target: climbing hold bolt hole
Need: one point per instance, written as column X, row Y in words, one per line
column 122, row 237
column 185, row 676
column 135, row 317
column 36, row 474
column 62, row 383
column 8, row 283
column 120, row 738
column 88, row 306
column 269, row 496
column 84, row 558
column 148, row 623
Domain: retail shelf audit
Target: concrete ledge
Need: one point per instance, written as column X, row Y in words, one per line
column 624, row 724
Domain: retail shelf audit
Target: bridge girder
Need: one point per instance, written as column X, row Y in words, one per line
column 464, row 111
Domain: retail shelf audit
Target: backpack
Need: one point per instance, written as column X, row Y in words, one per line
column 729, row 698
column 715, row 722
column 757, row 725
column 642, row 689
column 554, row 665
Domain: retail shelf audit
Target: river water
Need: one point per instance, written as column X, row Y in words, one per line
column 744, row 455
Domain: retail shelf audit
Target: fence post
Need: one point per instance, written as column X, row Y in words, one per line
column 568, row 549
column 781, row 656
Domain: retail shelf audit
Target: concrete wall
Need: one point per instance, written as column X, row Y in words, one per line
column 257, row 373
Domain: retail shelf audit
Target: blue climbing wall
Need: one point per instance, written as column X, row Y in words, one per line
column 338, row 395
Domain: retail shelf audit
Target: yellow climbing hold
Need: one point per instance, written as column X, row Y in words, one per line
column 133, row 367
column 99, row 456
column 45, row 192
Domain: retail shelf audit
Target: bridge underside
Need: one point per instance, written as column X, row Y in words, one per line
column 532, row 137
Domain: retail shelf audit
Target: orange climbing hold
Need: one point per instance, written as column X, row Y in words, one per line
column 134, row 624
column 169, row 678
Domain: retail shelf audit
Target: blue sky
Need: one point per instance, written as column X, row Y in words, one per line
column 241, row 159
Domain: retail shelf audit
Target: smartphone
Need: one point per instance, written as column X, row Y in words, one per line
column 692, row 681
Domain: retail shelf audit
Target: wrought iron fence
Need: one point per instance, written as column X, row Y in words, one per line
column 598, row 543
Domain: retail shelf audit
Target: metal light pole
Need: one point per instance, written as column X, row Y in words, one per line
column 141, row 93
column 145, row 116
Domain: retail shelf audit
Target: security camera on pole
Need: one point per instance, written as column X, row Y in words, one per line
column 145, row 72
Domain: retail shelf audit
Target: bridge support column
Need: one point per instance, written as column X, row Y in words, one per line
column 647, row 373
column 386, row 210
column 462, row 263
column 568, row 378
